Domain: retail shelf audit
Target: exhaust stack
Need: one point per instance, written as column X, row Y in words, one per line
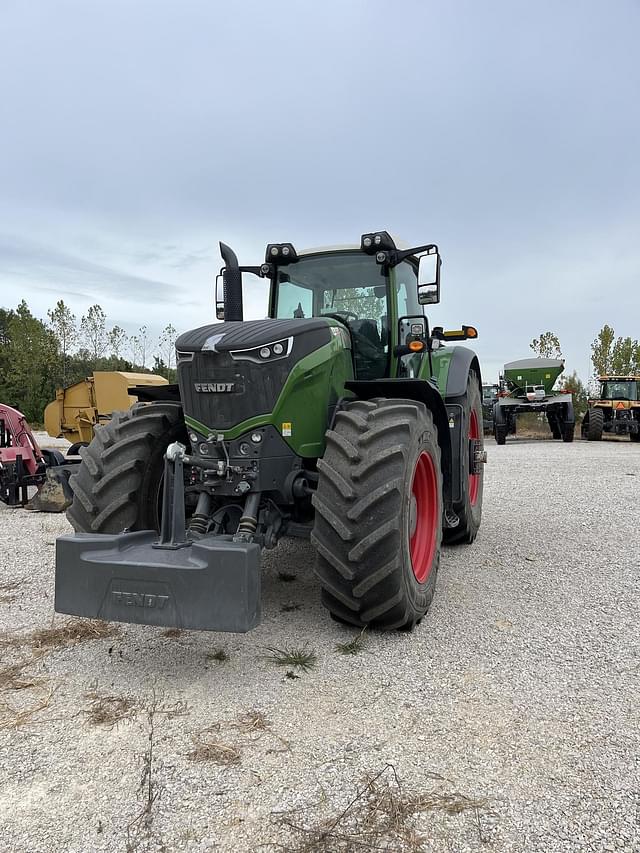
column 232, row 284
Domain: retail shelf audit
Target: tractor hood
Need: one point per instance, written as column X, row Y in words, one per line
column 233, row 336
column 234, row 372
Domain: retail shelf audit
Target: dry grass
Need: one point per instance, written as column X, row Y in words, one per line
column 16, row 717
column 251, row 721
column 353, row 647
column 381, row 816
column 173, row 633
column 70, row 633
column 13, row 677
column 208, row 747
column 108, row 710
column 14, row 680
column 253, row 725
column 304, row 659
column 7, row 589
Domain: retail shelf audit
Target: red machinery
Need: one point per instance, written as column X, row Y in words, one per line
column 24, row 464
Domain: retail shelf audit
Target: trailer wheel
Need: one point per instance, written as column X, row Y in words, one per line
column 378, row 514
column 118, row 484
column 552, row 420
column 469, row 509
column 634, row 436
column 500, row 433
column 595, row 425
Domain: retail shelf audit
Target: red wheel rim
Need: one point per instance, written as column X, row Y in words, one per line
column 424, row 517
column 474, row 479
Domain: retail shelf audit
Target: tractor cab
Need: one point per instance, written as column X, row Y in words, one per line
column 375, row 290
column 619, row 388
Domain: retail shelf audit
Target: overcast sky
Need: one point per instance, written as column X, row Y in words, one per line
column 136, row 135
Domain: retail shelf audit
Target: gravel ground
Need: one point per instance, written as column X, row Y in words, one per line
column 510, row 713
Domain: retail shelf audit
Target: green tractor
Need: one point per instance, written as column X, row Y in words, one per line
column 342, row 417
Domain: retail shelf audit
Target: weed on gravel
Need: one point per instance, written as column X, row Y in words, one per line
column 140, row 829
column 304, row 659
column 218, row 655
column 381, row 816
column 353, row 647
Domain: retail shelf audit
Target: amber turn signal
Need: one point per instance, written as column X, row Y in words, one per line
column 416, row 346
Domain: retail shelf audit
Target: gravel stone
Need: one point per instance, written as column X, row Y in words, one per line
column 519, row 690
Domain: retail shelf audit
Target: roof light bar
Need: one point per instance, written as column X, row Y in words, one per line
column 376, row 242
column 281, row 253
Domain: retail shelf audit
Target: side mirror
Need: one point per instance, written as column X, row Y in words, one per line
column 429, row 278
column 219, row 295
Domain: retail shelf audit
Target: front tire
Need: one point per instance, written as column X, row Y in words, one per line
column 378, row 523
column 595, row 425
column 118, row 484
column 469, row 509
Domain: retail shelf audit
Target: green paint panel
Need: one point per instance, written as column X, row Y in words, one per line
column 441, row 363
column 300, row 413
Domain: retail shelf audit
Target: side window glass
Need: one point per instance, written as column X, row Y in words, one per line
column 406, row 282
column 294, row 301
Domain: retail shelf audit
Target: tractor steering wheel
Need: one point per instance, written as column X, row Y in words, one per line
column 342, row 316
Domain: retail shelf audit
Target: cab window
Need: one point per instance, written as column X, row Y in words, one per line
column 349, row 286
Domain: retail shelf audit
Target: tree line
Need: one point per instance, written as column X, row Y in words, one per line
column 39, row 356
column 610, row 356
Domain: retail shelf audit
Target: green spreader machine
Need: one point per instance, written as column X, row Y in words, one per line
column 527, row 386
column 343, row 417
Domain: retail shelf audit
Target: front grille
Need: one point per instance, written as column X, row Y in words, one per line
column 256, row 388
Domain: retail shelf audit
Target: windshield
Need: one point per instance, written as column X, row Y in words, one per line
column 349, row 286
column 349, row 282
column 619, row 391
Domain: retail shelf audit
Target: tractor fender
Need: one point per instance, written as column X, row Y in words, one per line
column 423, row 391
column 462, row 361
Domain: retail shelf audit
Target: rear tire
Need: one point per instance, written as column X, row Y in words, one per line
column 118, row 483
column 501, row 434
column 378, row 514
column 595, row 425
column 469, row 510
column 634, row 436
